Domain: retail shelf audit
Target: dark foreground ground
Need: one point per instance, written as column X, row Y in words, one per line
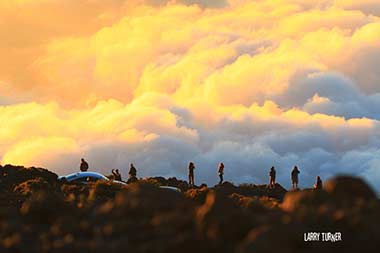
column 38, row 214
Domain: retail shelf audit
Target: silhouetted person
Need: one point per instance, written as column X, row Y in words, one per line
column 318, row 184
column 83, row 165
column 295, row 173
column 272, row 177
column 132, row 171
column 191, row 173
column 221, row 172
column 116, row 174
column 132, row 174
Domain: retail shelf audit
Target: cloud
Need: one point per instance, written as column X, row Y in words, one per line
column 162, row 83
column 161, row 140
column 201, row 3
column 367, row 6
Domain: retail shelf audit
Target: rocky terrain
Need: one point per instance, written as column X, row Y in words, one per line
column 40, row 214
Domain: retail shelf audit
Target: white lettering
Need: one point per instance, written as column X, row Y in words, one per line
column 311, row 236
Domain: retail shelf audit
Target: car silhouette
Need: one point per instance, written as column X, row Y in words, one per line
column 91, row 177
column 87, row 177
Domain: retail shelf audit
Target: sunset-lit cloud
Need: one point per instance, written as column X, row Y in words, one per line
column 162, row 82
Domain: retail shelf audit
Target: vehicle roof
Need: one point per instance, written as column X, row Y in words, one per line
column 170, row 188
column 85, row 174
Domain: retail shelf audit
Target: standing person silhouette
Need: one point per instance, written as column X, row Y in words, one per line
column 318, row 184
column 294, row 175
column 83, row 165
column 272, row 177
column 221, row 172
column 132, row 174
column 191, row 174
column 116, row 174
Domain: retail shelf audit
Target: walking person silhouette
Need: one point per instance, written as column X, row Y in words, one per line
column 191, row 173
column 221, row 172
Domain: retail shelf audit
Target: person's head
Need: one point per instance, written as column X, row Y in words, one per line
column 191, row 164
column 131, row 165
column 295, row 167
column 221, row 165
column 318, row 178
column 117, row 170
column 272, row 168
column 82, row 159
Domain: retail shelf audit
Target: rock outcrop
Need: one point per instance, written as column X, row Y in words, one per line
column 40, row 214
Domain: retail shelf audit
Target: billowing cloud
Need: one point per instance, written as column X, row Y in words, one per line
column 162, row 83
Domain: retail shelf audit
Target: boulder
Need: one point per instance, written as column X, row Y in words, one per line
column 347, row 187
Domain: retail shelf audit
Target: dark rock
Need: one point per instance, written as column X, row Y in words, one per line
column 347, row 187
column 295, row 200
column 39, row 214
column 220, row 218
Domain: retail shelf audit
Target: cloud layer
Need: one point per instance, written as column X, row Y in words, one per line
column 162, row 83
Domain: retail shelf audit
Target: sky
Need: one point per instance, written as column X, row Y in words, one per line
column 160, row 83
